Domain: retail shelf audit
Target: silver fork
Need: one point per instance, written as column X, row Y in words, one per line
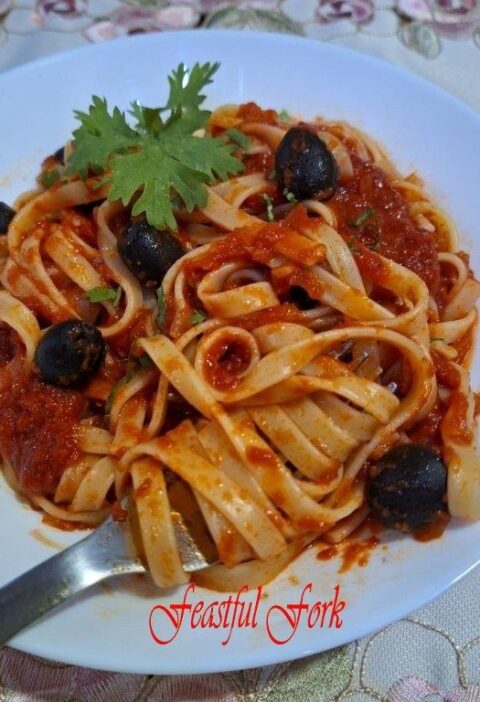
column 106, row 552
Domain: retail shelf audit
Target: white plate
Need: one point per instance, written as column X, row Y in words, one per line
column 422, row 128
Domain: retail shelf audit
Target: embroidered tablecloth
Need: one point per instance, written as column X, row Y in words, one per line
column 432, row 656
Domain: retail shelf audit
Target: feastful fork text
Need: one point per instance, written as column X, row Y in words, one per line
column 280, row 621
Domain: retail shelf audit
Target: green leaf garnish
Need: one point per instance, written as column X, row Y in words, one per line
column 362, row 218
column 289, row 196
column 353, row 247
column 238, row 137
column 284, row 116
column 272, row 175
column 158, row 158
column 197, row 317
column 123, row 381
column 162, row 308
column 269, row 207
column 104, row 295
column 145, row 361
column 50, row 177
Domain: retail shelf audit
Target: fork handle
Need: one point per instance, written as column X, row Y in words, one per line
column 43, row 588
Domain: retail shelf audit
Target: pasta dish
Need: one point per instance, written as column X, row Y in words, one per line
column 249, row 319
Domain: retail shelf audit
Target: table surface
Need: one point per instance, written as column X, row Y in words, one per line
column 434, row 655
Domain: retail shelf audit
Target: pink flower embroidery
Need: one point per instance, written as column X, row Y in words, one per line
column 133, row 20
column 453, row 18
column 65, row 8
column 415, row 689
column 357, row 11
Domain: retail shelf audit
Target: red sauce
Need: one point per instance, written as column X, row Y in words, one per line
column 251, row 112
column 261, row 457
column 446, row 373
column 327, row 554
column 9, row 344
column 434, row 530
column 358, row 553
column 285, row 312
column 118, row 513
column 427, row 432
column 64, row 524
column 226, row 359
column 38, row 431
column 455, row 423
column 259, row 163
column 260, row 243
column 391, row 230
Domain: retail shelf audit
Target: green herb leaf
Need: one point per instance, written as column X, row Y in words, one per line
column 118, row 295
column 362, row 218
column 123, row 381
column 145, row 361
column 49, row 178
column 269, row 207
column 353, row 247
column 284, row 116
column 289, row 196
column 197, row 317
column 238, row 137
column 104, row 295
column 272, row 175
column 162, row 308
column 185, row 86
column 158, row 159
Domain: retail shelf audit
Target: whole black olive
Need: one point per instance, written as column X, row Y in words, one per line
column 70, row 353
column 148, row 253
column 304, row 165
column 406, row 487
column 6, row 216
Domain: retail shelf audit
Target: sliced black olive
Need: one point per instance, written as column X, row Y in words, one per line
column 6, row 216
column 406, row 487
column 148, row 253
column 304, row 165
column 70, row 353
column 59, row 155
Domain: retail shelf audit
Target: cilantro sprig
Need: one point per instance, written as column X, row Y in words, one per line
column 158, row 159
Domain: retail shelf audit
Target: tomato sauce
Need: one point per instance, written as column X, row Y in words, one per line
column 38, row 431
column 370, row 211
column 251, row 112
column 225, row 361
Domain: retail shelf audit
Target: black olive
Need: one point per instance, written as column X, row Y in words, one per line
column 6, row 216
column 59, row 155
column 304, row 165
column 70, row 353
column 148, row 253
column 406, row 487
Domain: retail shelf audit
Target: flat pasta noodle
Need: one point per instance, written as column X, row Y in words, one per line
column 276, row 362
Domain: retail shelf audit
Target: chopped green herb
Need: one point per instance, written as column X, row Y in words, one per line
column 362, row 218
column 123, row 381
column 289, row 196
column 284, row 116
column 238, row 137
column 269, row 207
column 272, row 175
column 353, row 246
column 117, row 296
column 197, row 317
column 162, row 308
column 49, row 178
column 104, row 295
column 159, row 156
column 145, row 361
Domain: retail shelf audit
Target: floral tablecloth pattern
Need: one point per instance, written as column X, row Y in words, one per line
column 432, row 656
column 439, row 39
